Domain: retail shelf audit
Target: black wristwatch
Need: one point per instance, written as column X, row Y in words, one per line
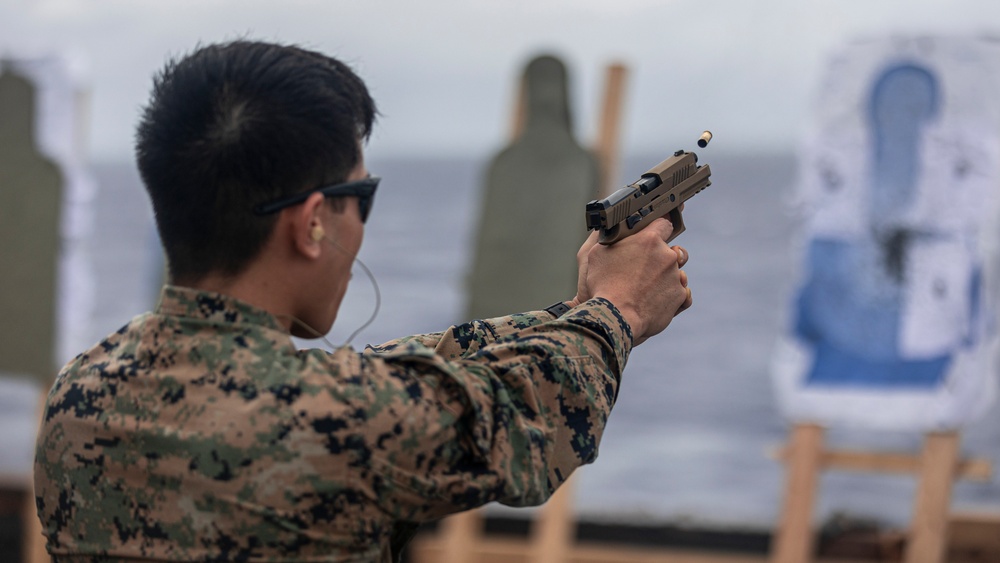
column 557, row 309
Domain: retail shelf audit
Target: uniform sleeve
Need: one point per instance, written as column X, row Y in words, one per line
column 466, row 339
column 508, row 420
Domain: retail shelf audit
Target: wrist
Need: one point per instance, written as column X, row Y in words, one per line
column 629, row 313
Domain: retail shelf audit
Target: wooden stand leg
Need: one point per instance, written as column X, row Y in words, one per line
column 928, row 531
column 552, row 534
column 794, row 541
column 460, row 534
column 34, row 542
column 33, row 548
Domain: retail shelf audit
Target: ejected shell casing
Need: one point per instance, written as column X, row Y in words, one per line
column 704, row 139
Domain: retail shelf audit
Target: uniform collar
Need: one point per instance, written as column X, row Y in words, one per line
column 213, row 307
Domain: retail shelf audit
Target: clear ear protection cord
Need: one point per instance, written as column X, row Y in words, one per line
column 378, row 304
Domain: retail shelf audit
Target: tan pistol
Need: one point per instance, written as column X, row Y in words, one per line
column 658, row 192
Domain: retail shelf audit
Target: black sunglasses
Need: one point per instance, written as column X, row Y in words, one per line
column 363, row 189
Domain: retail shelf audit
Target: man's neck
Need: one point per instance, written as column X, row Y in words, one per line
column 257, row 286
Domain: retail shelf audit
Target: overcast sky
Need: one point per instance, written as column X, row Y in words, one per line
column 443, row 71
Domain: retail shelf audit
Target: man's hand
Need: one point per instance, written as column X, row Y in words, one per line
column 640, row 274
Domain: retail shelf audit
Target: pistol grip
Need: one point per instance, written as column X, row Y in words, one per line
column 677, row 221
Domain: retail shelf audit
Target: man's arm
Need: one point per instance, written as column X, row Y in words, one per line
column 509, row 422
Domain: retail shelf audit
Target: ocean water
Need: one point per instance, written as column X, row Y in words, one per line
column 689, row 437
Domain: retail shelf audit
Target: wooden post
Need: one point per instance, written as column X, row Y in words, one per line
column 928, row 531
column 607, row 146
column 553, row 533
column 460, row 537
column 794, row 538
column 520, row 114
column 33, row 548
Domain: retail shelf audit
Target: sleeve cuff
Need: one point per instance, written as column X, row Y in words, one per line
column 602, row 317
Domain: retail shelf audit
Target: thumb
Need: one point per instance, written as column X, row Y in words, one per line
column 662, row 227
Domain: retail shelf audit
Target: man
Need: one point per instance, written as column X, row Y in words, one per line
column 198, row 431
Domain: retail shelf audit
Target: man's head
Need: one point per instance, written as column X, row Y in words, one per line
column 233, row 126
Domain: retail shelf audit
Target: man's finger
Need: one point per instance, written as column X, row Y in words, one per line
column 662, row 227
column 682, row 255
column 687, row 303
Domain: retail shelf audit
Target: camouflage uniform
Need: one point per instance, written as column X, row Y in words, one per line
column 199, row 432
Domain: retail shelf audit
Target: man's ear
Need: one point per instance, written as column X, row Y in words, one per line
column 307, row 226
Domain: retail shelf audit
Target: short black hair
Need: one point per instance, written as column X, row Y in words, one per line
column 237, row 124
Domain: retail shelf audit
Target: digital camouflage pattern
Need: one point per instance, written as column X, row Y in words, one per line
column 199, row 432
